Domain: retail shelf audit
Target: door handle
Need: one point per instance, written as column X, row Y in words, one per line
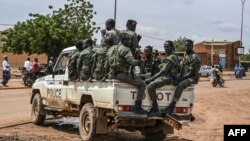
column 51, row 82
column 60, row 82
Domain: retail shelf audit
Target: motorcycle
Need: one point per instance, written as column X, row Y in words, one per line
column 29, row 78
column 216, row 81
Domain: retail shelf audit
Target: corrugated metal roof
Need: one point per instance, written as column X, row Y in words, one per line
column 218, row 43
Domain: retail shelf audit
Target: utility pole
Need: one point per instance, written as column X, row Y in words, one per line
column 212, row 53
column 115, row 11
column 242, row 12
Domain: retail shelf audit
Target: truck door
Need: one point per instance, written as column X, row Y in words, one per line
column 57, row 88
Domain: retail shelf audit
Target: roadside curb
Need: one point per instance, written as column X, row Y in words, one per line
column 10, row 88
column 226, row 79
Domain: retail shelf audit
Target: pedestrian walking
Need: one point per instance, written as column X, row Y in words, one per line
column 6, row 71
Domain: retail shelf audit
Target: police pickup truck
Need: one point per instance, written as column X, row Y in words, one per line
column 104, row 106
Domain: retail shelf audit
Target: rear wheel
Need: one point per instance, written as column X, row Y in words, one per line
column 87, row 123
column 156, row 136
column 214, row 84
column 37, row 110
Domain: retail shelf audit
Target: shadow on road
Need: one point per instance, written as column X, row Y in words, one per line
column 117, row 135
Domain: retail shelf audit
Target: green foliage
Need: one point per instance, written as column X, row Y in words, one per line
column 245, row 57
column 179, row 44
column 53, row 32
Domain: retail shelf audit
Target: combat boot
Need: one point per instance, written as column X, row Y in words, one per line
column 154, row 111
column 138, row 109
column 170, row 109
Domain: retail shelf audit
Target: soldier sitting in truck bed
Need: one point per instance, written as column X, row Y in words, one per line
column 166, row 76
column 85, row 60
column 73, row 57
column 121, row 60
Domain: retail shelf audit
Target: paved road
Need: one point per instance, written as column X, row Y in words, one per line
column 14, row 106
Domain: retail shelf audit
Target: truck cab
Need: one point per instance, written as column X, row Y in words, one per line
column 103, row 106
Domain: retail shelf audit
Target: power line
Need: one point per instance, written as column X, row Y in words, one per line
column 147, row 36
column 102, row 24
column 7, row 24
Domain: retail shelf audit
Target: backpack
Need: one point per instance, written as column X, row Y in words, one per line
column 113, row 57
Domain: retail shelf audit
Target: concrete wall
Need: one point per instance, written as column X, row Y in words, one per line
column 18, row 60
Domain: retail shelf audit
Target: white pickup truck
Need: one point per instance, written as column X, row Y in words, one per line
column 104, row 106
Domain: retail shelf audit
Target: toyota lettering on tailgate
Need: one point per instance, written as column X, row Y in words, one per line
column 160, row 95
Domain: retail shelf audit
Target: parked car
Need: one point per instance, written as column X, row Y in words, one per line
column 205, row 71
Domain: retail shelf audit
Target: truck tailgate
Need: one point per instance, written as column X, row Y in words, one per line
column 126, row 95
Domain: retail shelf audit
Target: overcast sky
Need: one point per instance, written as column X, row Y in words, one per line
column 158, row 20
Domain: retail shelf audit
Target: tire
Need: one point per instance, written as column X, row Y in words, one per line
column 37, row 110
column 87, row 122
column 157, row 136
column 28, row 82
column 222, row 84
column 214, row 84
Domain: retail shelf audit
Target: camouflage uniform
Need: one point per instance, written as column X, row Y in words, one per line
column 84, row 63
column 135, row 44
column 112, row 36
column 166, row 76
column 72, row 65
column 127, row 60
column 100, row 60
column 189, row 74
column 150, row 68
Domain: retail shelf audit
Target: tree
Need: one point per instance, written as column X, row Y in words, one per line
column 53, row 32
column 245, row 57
column 179, row 44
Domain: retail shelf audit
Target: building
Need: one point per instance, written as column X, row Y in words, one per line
column 218, row 52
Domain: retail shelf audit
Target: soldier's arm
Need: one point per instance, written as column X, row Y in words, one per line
column 135, row 42
column 194, row 67
column 79, row 63
column 129, row 58
column 166, row 67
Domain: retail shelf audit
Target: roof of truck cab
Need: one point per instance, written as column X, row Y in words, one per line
column 69, row 49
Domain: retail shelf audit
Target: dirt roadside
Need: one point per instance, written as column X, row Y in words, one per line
column 214, row 107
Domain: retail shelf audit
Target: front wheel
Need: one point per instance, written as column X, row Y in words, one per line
column 87, row 122
column 214, row 83
column 222, row 83
column 37, row 110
